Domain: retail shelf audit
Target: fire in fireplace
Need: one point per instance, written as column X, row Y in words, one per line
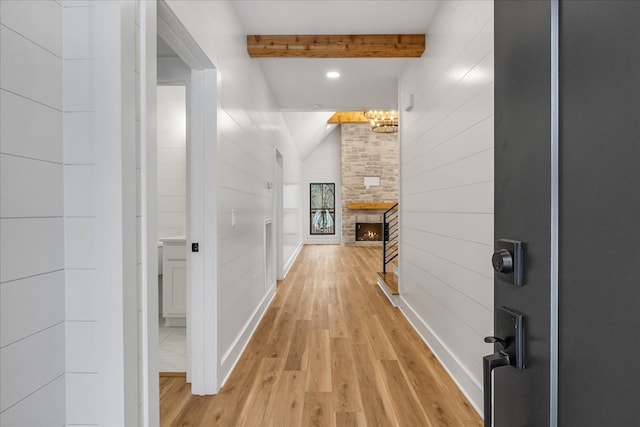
column 369, row 232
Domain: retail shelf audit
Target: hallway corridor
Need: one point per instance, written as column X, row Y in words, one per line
column 330, row 351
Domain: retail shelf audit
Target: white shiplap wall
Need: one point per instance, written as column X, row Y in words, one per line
column 50, row 199
column 172, row 149
column 32, row 253
column 249, row 128
column 323, row 165
column 291, row 241
column 446, row 202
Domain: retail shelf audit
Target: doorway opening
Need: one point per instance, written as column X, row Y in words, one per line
column 171, row 106
column 186, row 65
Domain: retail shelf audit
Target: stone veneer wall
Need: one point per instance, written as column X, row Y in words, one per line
column 365, row 153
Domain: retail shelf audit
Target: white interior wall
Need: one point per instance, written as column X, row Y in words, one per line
column 446, row 200
column 291, row 241
column 323, row 165
column 32, row 253
column 80, row 219
column 148, row 388
column 248, row 130
column 172, row 148
column 118, row 81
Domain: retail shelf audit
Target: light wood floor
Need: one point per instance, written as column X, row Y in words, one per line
column 330, row 351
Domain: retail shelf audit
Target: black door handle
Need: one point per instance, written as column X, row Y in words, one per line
column 489, row 363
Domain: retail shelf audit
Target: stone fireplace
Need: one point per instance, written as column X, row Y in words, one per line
column 365, row 154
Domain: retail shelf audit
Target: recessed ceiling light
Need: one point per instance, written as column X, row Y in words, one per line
column 333, row 74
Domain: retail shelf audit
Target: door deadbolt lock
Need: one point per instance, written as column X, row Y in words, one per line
column 507, row 261
column 502, row 261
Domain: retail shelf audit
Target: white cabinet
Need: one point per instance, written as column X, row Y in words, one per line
column 174, row 281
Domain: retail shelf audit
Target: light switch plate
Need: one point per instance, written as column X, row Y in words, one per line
column 233, row 218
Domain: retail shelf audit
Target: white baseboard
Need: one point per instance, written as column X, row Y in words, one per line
column 458, row 372
column 232, row 355
column 332, row 241
column 292, row 260
column 393, row 299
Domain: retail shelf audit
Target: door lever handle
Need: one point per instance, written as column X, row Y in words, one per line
column 496, row 340
column 489, row 363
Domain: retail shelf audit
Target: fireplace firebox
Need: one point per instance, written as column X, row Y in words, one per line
column 369, row 232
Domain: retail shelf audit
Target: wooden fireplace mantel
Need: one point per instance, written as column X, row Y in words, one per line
column 370, row 206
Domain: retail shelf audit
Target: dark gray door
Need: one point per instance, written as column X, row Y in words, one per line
column 522, row 199
column 599, row 275
column 567, row 184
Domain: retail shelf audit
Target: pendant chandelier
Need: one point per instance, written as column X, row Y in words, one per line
column 382, row 121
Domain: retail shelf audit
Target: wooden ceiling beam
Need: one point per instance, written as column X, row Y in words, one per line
column 336, row 46
column 347, row 117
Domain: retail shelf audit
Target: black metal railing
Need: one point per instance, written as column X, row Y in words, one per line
column 390, row 228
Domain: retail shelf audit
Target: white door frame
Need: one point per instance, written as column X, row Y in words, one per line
column 202, row 183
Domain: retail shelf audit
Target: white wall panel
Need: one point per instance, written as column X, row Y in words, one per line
column 323, row 165
column 78, row 148
column 240, row 180
column 30, row 305
column 30, row 70
column 81, row 288
column 237, row 268
column 476, row 197
column 75, row 43
column 469, row 226
column 448, row 88
column 471, row 140
column 30, row 129
column 465, row 253
column 40, row 21
column 171, row 139
column 80, row 243
column 172, row 148
column 469, row 170
column 81, row 347
column 468, row 282
column 45, row 407
column 168, row 187
column 77, row 85
column 172, row 156
column 171, row 203
column 172, row 171
column 30, row 246
column 463, row 308
column 30, row 363
column 78, row 190
column 477, row 108
column 31, row 224
column 83, row 399
column 446, row 201
column 30, row 187
column 80, row 208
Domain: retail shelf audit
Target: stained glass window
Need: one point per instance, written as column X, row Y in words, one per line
column 323, row 204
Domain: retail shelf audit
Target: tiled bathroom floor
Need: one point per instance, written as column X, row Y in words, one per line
column 173, row 344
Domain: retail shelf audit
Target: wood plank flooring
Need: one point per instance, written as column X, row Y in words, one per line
column 330, row 351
